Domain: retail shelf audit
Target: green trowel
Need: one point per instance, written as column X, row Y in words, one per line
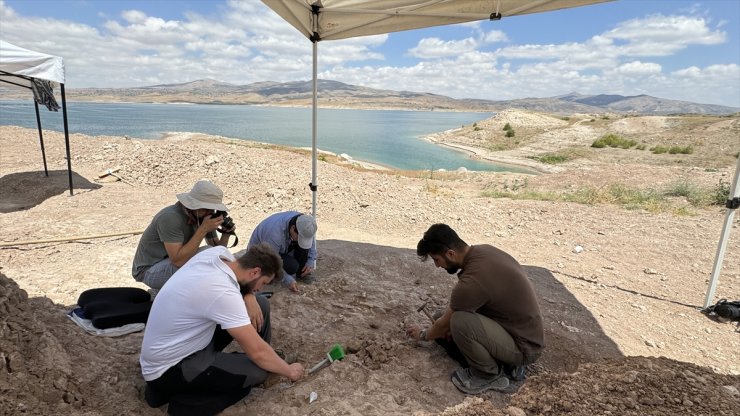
column 335, row 354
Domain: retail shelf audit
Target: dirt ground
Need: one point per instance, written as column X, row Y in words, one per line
column 623, row 331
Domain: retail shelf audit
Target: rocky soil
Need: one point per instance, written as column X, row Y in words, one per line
column 623, row 331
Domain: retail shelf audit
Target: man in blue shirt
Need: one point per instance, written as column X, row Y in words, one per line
column 292, row 235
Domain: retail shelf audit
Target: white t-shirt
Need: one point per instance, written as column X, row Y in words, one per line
column 200, row 295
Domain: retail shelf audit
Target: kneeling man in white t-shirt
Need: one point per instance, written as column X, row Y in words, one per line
column 204, row 306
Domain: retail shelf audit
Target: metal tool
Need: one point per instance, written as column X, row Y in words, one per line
column 423, row 308
column 336, row 353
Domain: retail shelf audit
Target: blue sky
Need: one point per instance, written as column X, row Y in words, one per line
column 681, row 50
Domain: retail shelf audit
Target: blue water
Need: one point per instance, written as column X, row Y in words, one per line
column 390, row 138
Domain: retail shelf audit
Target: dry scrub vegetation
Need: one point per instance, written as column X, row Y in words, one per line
column 697, row 146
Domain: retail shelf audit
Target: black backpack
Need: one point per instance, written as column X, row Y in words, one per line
column 724, row 311
column 111, row 307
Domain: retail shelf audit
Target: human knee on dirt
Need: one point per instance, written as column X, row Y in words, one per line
column 292, row 235
column 197, row 314
column 176, row 232
column 492, row 324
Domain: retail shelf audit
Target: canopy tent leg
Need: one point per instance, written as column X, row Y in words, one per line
column 41, row 137
column 733, row 200
column 66, row 139
column 315, row 10
column 314, row 118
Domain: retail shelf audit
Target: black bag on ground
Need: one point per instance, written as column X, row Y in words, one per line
column 111, row 307
column 724, row 311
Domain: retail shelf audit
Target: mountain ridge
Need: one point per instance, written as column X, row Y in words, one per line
column 336, row 94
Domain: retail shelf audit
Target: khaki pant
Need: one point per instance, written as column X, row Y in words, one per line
column 483, row 342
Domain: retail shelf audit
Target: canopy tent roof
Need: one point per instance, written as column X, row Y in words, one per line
column 37, row 72
column 340, row 19
column 18, row 65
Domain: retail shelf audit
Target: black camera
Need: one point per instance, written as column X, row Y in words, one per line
column 228, row 223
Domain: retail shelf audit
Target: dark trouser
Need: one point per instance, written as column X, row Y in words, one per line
column 482, row 344
column 294, row 261
column 220, row 378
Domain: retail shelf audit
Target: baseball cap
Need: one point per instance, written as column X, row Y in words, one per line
column 306, row 227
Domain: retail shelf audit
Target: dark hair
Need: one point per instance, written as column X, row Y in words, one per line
column 264, row 257
column 438, row 239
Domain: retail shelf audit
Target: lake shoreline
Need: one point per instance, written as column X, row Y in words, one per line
column 386, row 138
column 525, row 166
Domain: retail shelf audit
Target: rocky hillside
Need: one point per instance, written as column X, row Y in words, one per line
column 334, row 94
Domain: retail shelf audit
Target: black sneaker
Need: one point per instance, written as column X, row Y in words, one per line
column 514, row 372
column 471, row 382
column 307, row 279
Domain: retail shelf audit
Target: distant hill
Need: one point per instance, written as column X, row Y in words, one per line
column 334, row 94
column 639, row 104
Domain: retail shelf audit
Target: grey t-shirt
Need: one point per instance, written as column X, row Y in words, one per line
column 170, row 225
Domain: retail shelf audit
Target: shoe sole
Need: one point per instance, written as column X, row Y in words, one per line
column 469, row 390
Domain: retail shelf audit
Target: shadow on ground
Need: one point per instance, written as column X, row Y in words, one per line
column 362, row 298
column 24, row 190
column 381, row 285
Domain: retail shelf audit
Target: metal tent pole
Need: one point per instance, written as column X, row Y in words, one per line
column 314, row 118
column 315, row 38
column 66, row 139
column 41, row 137
column 733, row 201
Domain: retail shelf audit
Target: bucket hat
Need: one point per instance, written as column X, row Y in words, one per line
column 204, row 195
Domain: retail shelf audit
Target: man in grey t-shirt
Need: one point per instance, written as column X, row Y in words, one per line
column 176, row 232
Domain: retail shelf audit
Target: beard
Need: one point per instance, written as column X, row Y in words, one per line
column 452, row 267
column 247, row 288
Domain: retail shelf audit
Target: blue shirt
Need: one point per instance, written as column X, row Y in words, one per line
column 274, row 230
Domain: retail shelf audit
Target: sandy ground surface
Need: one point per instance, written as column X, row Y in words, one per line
column 623, row 332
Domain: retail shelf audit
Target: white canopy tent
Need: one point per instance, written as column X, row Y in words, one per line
column 37, row 72
column 340, row 19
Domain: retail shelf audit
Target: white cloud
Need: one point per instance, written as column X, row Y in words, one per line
column 639, row 68
column 729, row 72
column 495, row 36
column 690, row 72
column 676, row 30
column 134, row 16
column 430, row 48
column 242, row 41
column 434, row 48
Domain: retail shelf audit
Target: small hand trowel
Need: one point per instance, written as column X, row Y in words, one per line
column 336, row 353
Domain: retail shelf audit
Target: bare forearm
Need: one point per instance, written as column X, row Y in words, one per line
column 269, row 361
column 262, row 354
column 441, row 327
column 187, row 251
column 224, row 240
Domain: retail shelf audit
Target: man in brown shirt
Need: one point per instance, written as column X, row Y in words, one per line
column 493, row 317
